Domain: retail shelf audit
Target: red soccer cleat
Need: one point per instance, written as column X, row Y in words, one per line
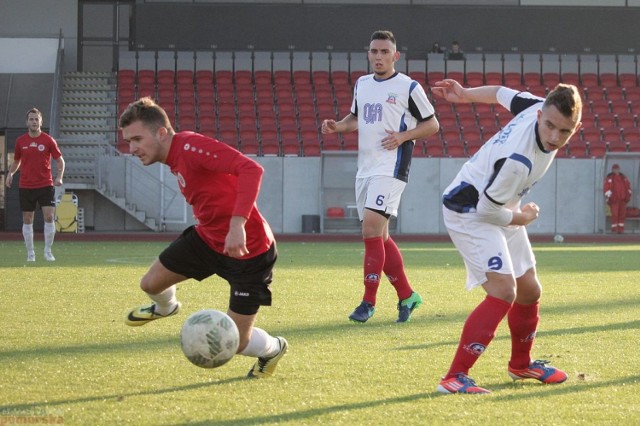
column 540, row 371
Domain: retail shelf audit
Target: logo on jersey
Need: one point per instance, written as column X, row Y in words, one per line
column 475, row 348
column 181, row 180
column 372, row 113
column 524, row 192
column 392, row 98
column 241, row 294
column 495, row 263
column 372, row 278
column 187, row 146
column 41, row 148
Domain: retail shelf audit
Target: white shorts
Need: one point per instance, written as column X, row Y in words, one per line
column 381, row 193
column 485, row 247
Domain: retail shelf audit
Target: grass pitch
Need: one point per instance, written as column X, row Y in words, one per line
column 67, row 357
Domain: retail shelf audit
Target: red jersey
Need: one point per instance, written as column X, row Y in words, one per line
column 35, row 156
column 219, row 182
column 619, row 186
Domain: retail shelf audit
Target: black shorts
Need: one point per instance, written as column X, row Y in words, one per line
column 249, row 279
column 30, row 198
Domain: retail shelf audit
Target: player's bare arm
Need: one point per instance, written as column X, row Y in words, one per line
column 452, row 91
column 348, row 124
column 61, row 165
column 235, row 244
column 12, row 170
column 424, row 129
column 527, row 214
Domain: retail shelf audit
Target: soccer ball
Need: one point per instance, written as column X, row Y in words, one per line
column 209, row 338
column 558, row 238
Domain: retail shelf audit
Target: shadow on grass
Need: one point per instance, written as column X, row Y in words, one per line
column 116, row 397
column 629, row 325
column 311, row 414
column 301, row 415
column 326, row 330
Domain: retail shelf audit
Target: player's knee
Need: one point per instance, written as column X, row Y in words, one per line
column 501, row 286
column 147, row 285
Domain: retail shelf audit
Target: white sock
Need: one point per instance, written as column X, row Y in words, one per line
column 27, row 233
column 49, row 235
column 166, row 301
column 261, row 345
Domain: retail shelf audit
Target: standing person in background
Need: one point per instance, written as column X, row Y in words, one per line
column 390, row 111
column 33, row 153
column 617, row 192
column 485, row 220
column 455, row 53
column 436, row 48
column 231, row 239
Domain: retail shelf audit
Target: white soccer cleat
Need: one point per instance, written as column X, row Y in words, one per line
column 31, row 256
column 48, row 256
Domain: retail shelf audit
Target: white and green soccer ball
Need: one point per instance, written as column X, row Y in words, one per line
column 558, row 238
column 209, row 338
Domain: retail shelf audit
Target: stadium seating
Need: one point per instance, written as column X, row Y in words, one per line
column 281, row 110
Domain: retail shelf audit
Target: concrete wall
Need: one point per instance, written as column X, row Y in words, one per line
column 569, row 195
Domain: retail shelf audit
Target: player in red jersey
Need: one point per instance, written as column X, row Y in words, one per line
column 231, row 238
column 617, row 192
column 33, row 153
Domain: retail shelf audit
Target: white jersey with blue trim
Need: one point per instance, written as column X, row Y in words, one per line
column 397, row 103
column 508, row 164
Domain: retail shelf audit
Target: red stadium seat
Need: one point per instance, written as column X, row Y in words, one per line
column 532, row 79
column 493, row 78
column 474, row 79
column 628, row 79
column 311, row 149
column 589, row 80
column 456, row 149
column 350, row 141
column 608, row 80
column 472, row 146
column 434, row 147
column 513, row 79
column 550, row 79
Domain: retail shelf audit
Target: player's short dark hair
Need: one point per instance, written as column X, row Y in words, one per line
column 383, row 35
column 34, row 111
column 147, row 111
column 567, row 99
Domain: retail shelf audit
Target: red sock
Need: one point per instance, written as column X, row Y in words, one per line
column 394, row 270
column 373, row 261
column 523, row 322
column 477, row 333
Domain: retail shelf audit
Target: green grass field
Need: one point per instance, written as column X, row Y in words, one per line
column 66, row 355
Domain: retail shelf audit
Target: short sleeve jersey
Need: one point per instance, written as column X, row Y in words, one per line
column 35, row 156
column 219, row 182
column 509, row 164
column 398, row 104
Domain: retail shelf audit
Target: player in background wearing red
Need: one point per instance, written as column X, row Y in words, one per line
column 485, row 220
column 231, row 238
column 33, row 153
column 390, row 111
column 617, row 192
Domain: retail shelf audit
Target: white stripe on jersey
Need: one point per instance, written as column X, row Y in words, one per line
column 398, row 104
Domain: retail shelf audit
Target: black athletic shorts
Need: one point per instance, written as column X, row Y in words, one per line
column 249, row 279
column 29, row 198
